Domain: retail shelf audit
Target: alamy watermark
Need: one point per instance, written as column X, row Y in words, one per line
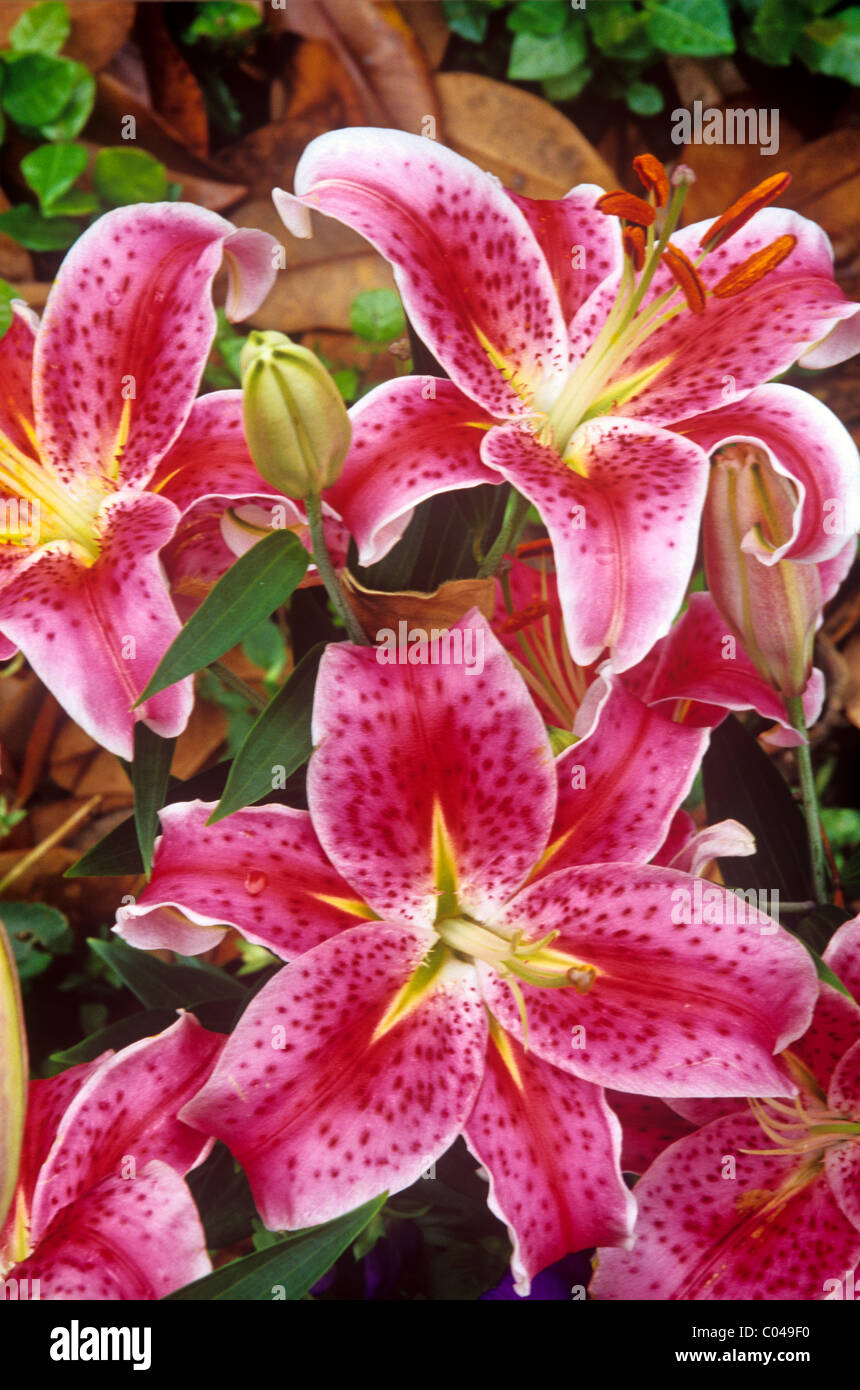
column 705, row 904
column 709, row 125
column 418, row 646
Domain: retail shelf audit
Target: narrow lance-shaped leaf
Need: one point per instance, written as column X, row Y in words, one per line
column 150, row 776
column 13, row 1075
column 252, row 588
column 280, row 737
column 158, row 985
column 287, row 1270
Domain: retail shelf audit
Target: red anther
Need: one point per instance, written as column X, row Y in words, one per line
column 634, row 246
column 746, row 206
column 686, row 277
column 755, row 267
column 626, row 205
column 653, row 175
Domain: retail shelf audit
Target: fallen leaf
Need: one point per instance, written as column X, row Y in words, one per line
column 319, row 78
column 176, row 94
column 98, row 30
column 445, row 606
column 428, row 23
column 547, row 157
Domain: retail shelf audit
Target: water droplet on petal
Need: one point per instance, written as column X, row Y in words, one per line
column 114, row 297
column 255, row 882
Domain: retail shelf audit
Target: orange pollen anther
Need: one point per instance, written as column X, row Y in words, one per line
column 525, row 616
column 541, row 547
column 634, row 246
column 686, row 277
column 744, row 208
column 755, row 267
column 626, row 205
column 653, row 176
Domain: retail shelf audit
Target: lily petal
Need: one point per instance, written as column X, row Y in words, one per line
column 419, row 764
column 581, row 245
column 620, row 786
column 321, row 1108
column 648, row 1126
column 623, row 520
column 95, row 633
column 675, row 1008
column 126, row 332
column 126, row 1239
column 843, row 955
column 261, row 870
column 551, row 1146
column 210, row 458
column 472, row 276
column 843, row 1160
column 704, row 1237
column 407, row 445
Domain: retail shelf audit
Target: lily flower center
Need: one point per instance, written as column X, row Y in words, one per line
column 804, row 1126
column 39, row 507
column 598, row 386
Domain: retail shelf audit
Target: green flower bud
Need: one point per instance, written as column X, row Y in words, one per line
column 296, row 424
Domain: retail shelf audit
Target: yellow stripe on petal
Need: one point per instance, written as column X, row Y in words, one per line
column 415, row 990
column 503, row 1045
column 354, row 906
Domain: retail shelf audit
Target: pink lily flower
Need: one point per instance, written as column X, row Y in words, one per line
column 693, row 676
column 762, row 1202
column 97, row 394
column 576, row 351
column 476, row 946
column 101, row 1210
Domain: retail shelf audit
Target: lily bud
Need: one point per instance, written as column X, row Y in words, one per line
column 773, row 609
column 296, row 424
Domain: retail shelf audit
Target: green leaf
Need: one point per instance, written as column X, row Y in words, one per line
column 29, row 228
column 258, row 583
column 41, row 29
column 37, row 87
column 567, row 87
column 116, row 1035
column 222, row 20
column 266, row 648
column 817, row 927
column 539, row 17
column 150, row 774
column 832, row 46
column 116, row 855
column 50, row 170
column 124, row 176
column 280, row 737
column 289, row 1268
column 645, row 98
column 536, row 57
column 346, row 381
column 742, row 783
column 775, row 31
column 161, row 986
column 699, row 30
column 78, row 202
column 619, row 31
column 7, row 294
column 468, row 19
column 13, row 1074
column 377, row 316
column 34, row 925
column 76, row 111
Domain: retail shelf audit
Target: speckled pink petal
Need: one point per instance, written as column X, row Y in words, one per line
column 620, row 786
column 551, row 1146
column 680, row 832
column 95, row 634
column 124, row 1115
column 843, row 1159
column 648, row 1126
column 16, row 369
column 843, row 955
column 131, row 1239
column 725, row 838
column 676, row 1008
column 841, row 341
column 834, row 1029
column 395, row 742
column 322, row 1117
column 581, row 246
column 703, row 1237
column 624, row 530
column 472, row 277
column 741, row 342
column 806, row 443
column 261, row 870
column 210, row 458
column 702, row 670
column 126, row 332
column 407, row 445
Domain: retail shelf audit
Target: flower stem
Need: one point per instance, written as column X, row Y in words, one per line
column 794, row 707
column 516, row 512
column 322, row 560
column 234, row 682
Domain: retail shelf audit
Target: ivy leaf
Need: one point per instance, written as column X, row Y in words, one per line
column 41, row 29
column 37, row 87
column 123, row 176
column 76, row 111
column 258, row 583
column 7, row 294
column 286, row 1270
column 570, row 85
column 539, row 17
column 535, row 57
column 832, row 45
column 698, row 31
column 50, row 170
column 775, row 31
column 645, row 98
column 281, row 735
column 37, row 233
column 377, row 316
column 34, row 925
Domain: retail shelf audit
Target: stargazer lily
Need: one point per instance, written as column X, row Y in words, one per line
column 762, row 1202
column 101, row 1210
column 578, row 341
column 96, row 395
column 477, row 945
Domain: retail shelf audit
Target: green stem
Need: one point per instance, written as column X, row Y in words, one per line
column 794, row 707
column 322, row 560
column 234, row 682
column 515, row 516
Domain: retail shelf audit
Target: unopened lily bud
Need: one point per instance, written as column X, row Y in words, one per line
column 296, row 424
column 773, row 609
